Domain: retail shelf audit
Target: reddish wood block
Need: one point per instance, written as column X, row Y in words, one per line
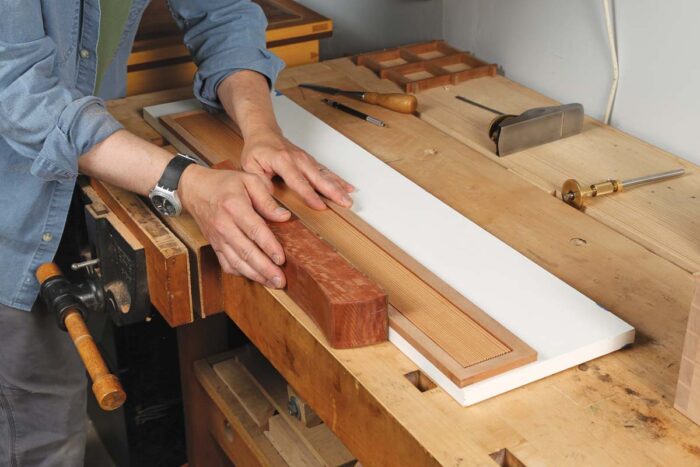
column 349, row 308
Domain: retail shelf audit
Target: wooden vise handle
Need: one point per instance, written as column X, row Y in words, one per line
column 106, row 386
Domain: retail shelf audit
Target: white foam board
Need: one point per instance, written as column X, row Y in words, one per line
column 565, row 327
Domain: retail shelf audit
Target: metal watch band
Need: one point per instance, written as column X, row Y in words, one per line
column 173, row 171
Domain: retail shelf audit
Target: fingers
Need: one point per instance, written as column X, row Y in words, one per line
column 253, row 263
column 259, row 234
column 241, row 268
column 260, row 194
column 328, row 183
column 243, row 238
column 297, row 181
column 225, row 265
column 239, row 255
column 346, row 186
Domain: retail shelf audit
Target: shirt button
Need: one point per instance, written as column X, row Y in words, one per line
column 84, row 53
column 47, row 237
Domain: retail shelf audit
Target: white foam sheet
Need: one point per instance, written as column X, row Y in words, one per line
column 564, row 326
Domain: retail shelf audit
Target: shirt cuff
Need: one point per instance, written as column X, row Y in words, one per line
column 84, row 123
column 208, row 78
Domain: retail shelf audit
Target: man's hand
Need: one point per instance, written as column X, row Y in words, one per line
column 246, row 97
column 224, row 205
column 269, row 153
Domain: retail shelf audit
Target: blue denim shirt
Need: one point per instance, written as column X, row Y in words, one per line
column 49, row 115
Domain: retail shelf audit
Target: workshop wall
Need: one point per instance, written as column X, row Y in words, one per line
column 560, row 49
column 365, row 25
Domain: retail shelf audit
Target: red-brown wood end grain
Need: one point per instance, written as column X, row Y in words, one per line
column 350, row 309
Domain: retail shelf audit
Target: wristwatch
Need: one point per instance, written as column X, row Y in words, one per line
column 164, row 194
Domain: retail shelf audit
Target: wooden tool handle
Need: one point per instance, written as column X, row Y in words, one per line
column 404, row 103
column 106, row 387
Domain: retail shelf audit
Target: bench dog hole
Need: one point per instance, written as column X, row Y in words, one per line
column 505, row 458
column 420, row 381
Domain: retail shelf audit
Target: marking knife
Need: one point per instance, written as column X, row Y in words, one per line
column 353, row 112
column 404, row 103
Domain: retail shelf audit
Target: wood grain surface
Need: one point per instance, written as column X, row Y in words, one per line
column 615, row 411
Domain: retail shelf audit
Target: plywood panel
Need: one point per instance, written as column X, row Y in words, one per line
column 473, row 345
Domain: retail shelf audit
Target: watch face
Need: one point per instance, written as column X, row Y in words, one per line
column 163, row 205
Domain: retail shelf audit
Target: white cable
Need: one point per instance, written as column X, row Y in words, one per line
column 613, row 57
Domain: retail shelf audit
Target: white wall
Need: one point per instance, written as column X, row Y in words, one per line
column 364, row 25
column 560, row 49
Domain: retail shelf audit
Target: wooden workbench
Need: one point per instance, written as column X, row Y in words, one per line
column 616, row 410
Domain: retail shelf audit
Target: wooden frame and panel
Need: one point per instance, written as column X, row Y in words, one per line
column 426, row 65
column 159, row 60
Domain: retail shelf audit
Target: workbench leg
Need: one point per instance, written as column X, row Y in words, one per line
column 203, row 338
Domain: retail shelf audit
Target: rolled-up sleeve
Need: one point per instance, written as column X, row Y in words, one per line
column 42, row 117
column 224, row 36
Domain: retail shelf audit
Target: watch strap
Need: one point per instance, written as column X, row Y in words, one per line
column 173, row 171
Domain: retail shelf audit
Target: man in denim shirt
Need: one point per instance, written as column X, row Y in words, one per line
column 56, row 56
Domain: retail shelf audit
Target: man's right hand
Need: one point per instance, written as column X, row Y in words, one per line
column 225, row 204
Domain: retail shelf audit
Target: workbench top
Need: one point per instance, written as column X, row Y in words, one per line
column 616, row 410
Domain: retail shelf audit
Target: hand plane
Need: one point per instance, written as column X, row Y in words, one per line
column 513, row 133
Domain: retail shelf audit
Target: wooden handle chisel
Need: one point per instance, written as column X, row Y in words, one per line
column 404, row 103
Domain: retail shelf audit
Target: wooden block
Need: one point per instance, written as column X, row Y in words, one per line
column 289, row 445
column 349, row 308
column 328, row 447
column 454, row 334
column 304, row 412
column 167, row 262
column 688, row 390
column 246, row 391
